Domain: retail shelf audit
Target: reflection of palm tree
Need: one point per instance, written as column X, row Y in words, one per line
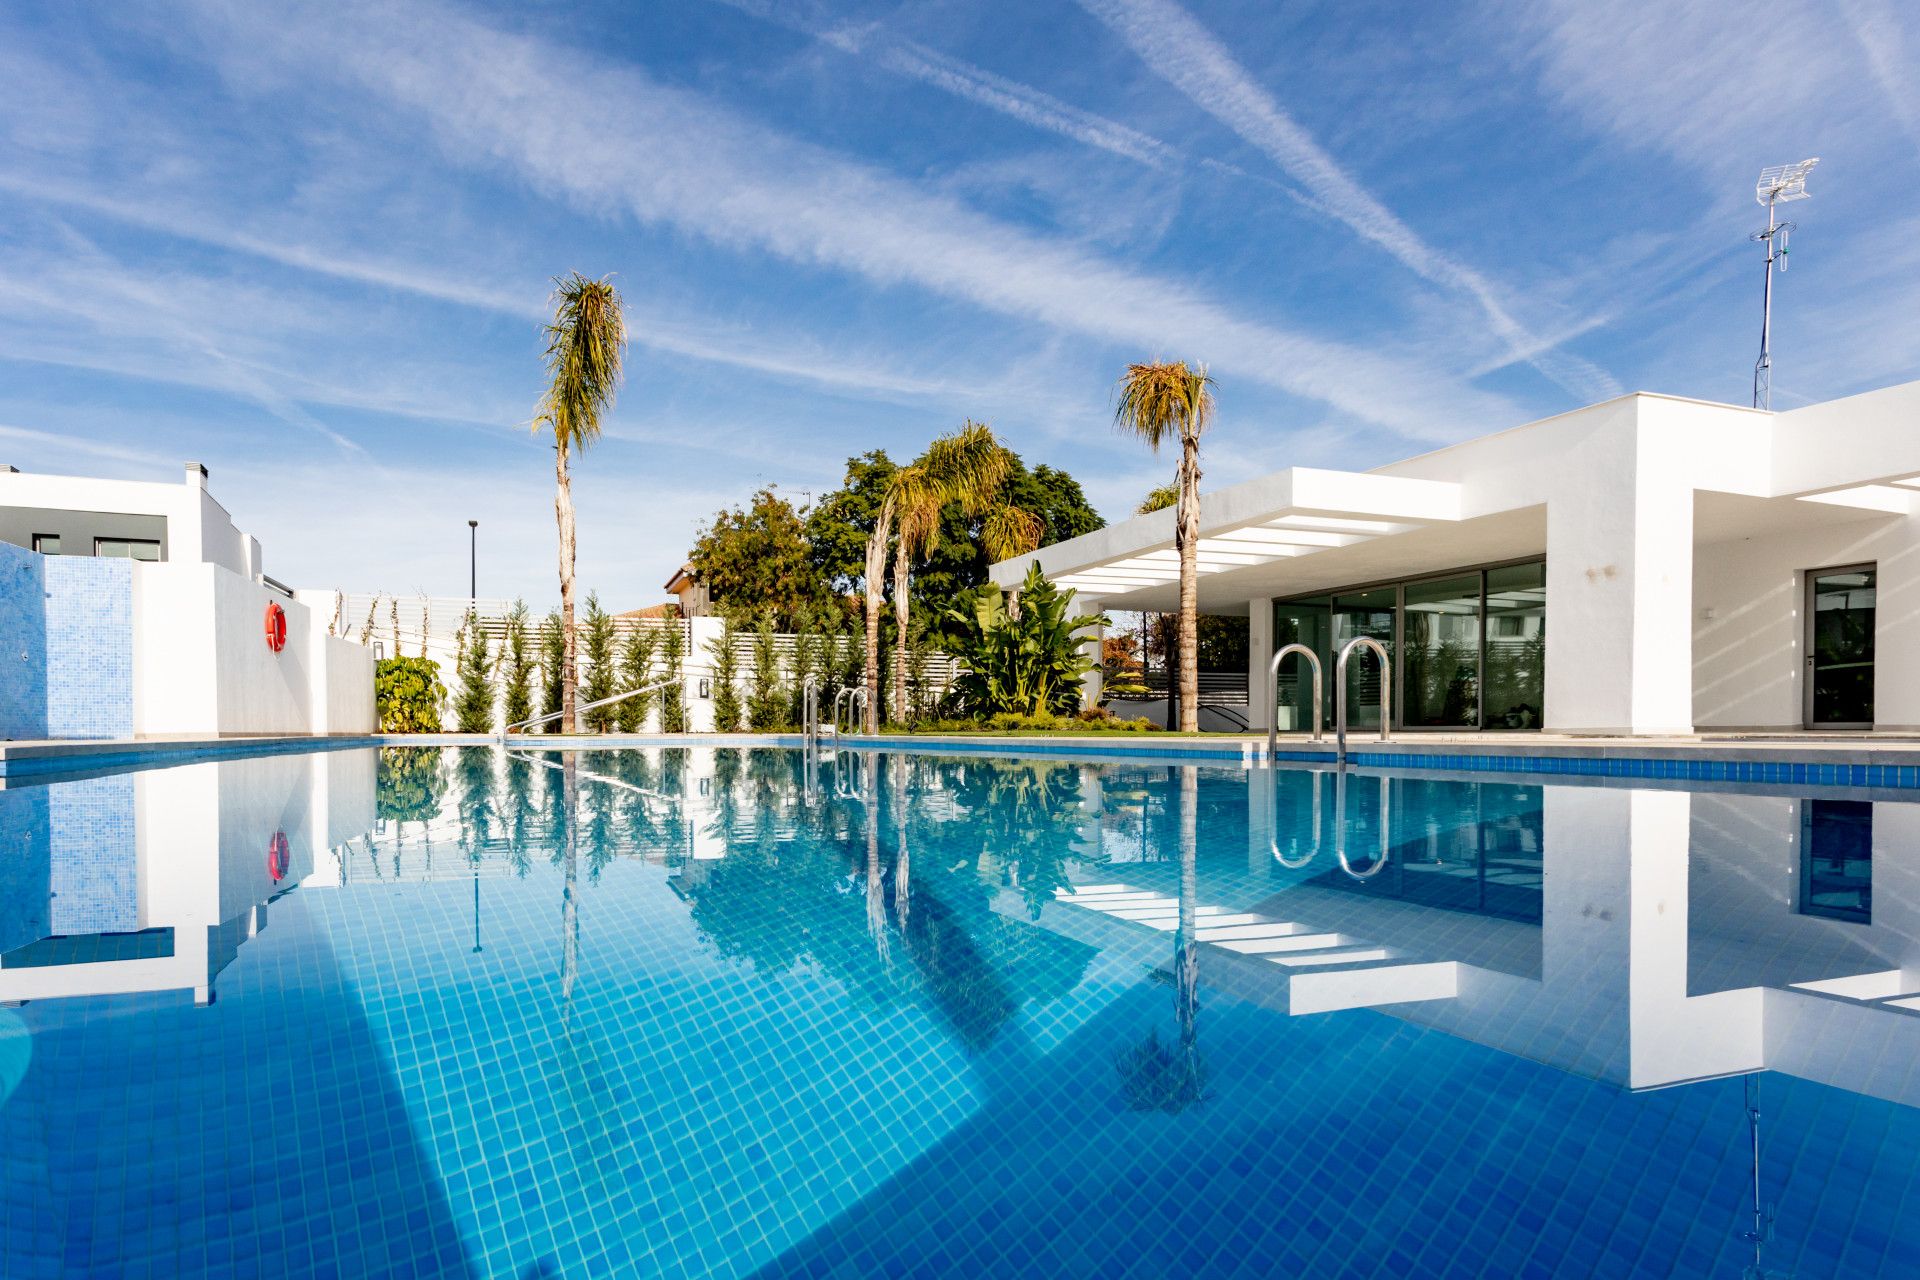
column 569, row 895
column 876, row 878
column 1153, row 1076
column 902, row 861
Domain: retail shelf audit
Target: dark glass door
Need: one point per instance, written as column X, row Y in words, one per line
column 1363, row 613
column 1838, row 692
column 1441, row 641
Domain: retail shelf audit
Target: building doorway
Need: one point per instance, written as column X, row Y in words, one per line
column 1838, row 690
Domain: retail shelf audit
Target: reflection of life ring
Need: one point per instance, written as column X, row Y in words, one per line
column 276, row 627
column 278, row 856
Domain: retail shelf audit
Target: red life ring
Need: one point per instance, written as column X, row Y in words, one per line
column 278, row 856
column 276, row 627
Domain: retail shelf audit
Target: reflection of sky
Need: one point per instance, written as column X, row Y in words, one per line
column 746, row 1077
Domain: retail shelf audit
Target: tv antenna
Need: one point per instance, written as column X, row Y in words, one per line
column 1777, row 186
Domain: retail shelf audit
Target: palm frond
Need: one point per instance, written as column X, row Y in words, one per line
column 586, row 344
column 1158, row 498
column 1164, row 399
column 1009, row 531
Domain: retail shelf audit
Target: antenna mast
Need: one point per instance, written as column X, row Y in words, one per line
column 1778, row 185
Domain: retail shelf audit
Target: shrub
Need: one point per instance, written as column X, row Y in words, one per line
column 407, row 694
column 1023, row 660
column 473, row 709
column 597, row 641
column 516, row 667
column 766, row 703
column 636, row 670
column 673, row 698
column 553, row 652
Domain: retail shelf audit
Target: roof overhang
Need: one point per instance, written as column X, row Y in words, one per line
column 1301, row 511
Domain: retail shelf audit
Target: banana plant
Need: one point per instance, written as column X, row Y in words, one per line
column 1025, row 658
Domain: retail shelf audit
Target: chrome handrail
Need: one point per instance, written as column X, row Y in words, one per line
column 1273, row 694
column 856, row 706
column 1340, row 692
column 810, row 711
column 589, row 706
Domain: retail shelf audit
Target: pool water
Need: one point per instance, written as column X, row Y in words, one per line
column 738, row 1012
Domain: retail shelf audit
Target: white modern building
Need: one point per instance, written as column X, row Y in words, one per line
column 1647, row 565
column 136, row 609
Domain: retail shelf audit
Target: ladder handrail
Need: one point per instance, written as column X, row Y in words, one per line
column 810, row 711
column 1340, row 692
column 1273, row 694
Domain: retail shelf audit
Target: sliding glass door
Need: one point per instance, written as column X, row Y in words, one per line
column 1469, row 650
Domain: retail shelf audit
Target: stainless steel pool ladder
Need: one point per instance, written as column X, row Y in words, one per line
column 810, row 711
column 1340, row 693
column 1379, row 861
column 1273, row 694
column 856, row 698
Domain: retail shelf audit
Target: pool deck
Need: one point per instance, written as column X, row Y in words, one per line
column 1856, row 758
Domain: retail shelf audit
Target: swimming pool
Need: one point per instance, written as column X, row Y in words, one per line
column 731, row 1012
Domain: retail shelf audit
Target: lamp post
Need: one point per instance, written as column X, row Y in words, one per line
column 473, row 562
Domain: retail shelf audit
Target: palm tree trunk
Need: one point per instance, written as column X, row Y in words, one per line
column 563, row 514
column 875, row 584
column 1186, row 536
column 898, row 693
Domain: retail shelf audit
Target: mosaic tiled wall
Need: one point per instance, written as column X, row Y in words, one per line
column 95, row 866
column 23, row 643
column 89, row 647
column 66, row 646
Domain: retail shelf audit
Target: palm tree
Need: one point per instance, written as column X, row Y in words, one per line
column 968, row 467
column 1157, row 401
column 585, row 344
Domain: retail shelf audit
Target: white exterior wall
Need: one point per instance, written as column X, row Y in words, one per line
column 202, row 666
column 1749, row 657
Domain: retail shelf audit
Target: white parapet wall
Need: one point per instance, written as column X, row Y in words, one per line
column 202, row 664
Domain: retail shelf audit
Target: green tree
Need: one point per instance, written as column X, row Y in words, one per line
column 602, row 663
column 766, row 703
column 553, row 657
column 726, row 675
column 585, row 346
column 757, row 557
column 967, row 469
column 516, row 667
column 1172, row 401
column 673, row 698
column 473, row 708
column 636, row 671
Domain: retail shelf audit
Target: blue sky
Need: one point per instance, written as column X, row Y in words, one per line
column 310, row 244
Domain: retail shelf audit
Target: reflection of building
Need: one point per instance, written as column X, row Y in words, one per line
column 152, row 880
column 1642, row 937
column 1645, row 565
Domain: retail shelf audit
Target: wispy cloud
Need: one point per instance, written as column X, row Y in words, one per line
column 602, row 137
column 1171, row 43
column 1011, row 98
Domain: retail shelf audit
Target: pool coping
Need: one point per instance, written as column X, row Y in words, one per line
column 1852, row 762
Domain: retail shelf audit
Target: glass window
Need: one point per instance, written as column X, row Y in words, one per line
column 1516, row 662
column 1363, row 613
column 47, row 544
column 1299, row 622
column 1836, row 859
column 127, row 548
column 1442, row 646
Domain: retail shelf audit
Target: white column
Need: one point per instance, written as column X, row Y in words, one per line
column 1092, row 649
column 704, row 633
column 1620, row 580
column 1259, row 654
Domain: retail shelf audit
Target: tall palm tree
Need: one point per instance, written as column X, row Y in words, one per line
column 1157, row 401
column 585, row 345
column 968, row 467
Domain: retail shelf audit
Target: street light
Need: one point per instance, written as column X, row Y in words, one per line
column 473, row 561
